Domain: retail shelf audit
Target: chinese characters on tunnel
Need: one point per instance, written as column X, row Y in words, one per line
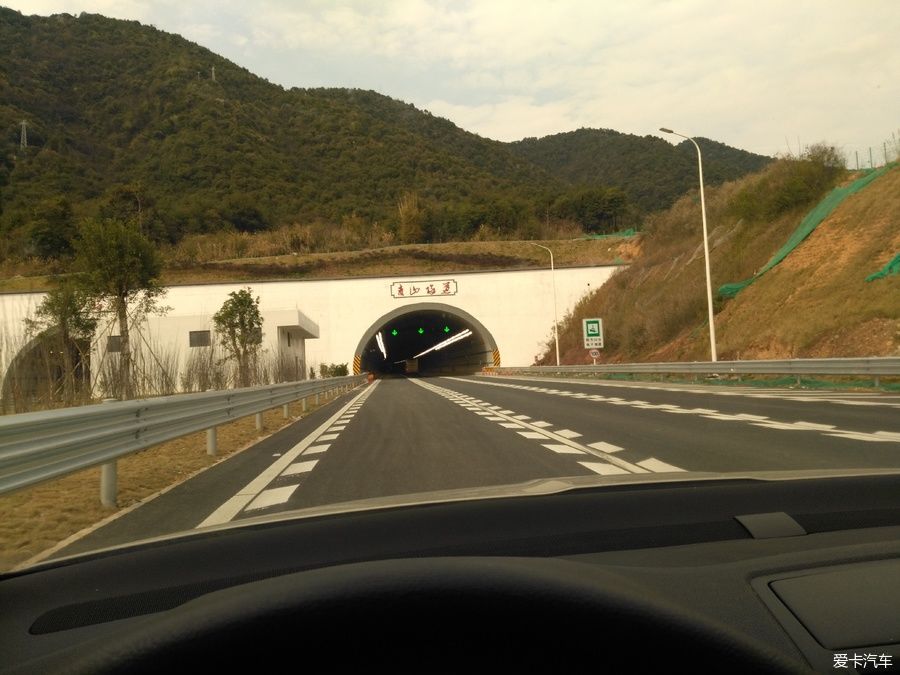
column 415, row 289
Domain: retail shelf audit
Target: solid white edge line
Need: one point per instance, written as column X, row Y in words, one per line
column 227, row 512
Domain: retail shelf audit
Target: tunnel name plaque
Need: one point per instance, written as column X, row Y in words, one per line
column 417, row 289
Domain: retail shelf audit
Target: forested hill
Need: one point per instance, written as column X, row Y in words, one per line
column 124, row 118
column 647, row 168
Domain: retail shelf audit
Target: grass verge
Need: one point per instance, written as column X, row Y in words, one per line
column 37, row 518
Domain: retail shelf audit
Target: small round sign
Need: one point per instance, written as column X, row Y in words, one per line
column 595, row 353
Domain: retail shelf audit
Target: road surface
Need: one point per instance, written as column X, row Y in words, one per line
column 402, row 436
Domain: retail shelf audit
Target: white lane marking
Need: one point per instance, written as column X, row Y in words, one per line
column 481, row 412
column 561, row 440
column 272, row 497
column 340, row 427
column 541, row 424
column 605, row 447
column 521, row 417
column 795, row 426
column 534, row 435
column 657, row 466
column 568, row 433
column 300, row 467
column 842, row 398
column 316, row 448
column 708, row 413
column 327, row 437
column 603, row 469
column 511, row 425
column 231, row 508
column 878, row 436
column 507, row 412
column 562, row 449
column 494, row 418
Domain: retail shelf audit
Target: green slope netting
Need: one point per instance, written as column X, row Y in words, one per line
column 623, row 234
column 892, row 267
column 807, row 225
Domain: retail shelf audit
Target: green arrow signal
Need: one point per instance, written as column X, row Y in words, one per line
column 421, row 331
column 446, row 329
column 395, row 332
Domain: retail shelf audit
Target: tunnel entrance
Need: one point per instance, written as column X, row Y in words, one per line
column 426, row 338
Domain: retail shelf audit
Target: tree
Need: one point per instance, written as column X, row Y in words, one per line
column 64, row 321
column 333, row 370
column 120, row 269
column 410, row 215
column 53, row 228
column 239, row 327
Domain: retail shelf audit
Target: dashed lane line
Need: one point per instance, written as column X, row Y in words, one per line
column 841, row 398
column 708, row 413
column 556, row 440
column 257, row 494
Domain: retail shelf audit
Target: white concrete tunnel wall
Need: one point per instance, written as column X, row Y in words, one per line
column 516, row 307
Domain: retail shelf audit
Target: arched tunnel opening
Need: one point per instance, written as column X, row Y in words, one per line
column 426, row 339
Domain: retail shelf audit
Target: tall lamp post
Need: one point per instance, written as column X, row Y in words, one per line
column 553, row 281
column 709, row 302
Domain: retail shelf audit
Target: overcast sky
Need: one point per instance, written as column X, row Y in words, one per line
column 760, row 75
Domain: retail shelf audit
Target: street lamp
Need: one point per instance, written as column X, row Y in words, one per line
column 709, row 303
column 553, row 281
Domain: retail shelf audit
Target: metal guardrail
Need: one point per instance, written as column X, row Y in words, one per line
column 874, row 366
column 39, row 446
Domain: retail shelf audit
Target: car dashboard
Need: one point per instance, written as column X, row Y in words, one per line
column 740, row 575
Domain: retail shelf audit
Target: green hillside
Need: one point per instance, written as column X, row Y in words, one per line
column 814, row 303
column 650, row 170
column 124, row 120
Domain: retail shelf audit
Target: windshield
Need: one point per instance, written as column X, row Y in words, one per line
column 305, row 257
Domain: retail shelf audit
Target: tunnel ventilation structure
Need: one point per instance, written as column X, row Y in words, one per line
column 426, row 338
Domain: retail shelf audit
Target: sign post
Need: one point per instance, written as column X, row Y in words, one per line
column 593, row 333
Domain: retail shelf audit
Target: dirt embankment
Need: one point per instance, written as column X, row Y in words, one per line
column 815, row 303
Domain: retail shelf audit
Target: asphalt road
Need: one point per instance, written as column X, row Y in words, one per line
column 400, row 436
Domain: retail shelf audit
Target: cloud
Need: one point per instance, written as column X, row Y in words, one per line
column 744, row 73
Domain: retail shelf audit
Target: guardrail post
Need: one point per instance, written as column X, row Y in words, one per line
column 108, row 484
column 317, row 398
column 259, row 421
column 877, row 382
column 286, row 410
column 212, row 446
column 303, row 405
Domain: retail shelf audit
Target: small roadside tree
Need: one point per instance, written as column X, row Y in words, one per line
column 120, row 269
column 239, row 328
column 64, row 321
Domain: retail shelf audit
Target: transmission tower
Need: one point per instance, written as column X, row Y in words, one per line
column 23, row 138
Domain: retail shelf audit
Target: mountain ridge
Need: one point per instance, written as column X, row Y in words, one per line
column 125, row 119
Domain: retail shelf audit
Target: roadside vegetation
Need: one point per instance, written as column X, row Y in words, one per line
column 814, row 303
column 123, row 119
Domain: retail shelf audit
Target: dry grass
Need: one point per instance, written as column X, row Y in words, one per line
column 386, row 261
column 815, row 303
column 819, row 291
column 37, row 518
